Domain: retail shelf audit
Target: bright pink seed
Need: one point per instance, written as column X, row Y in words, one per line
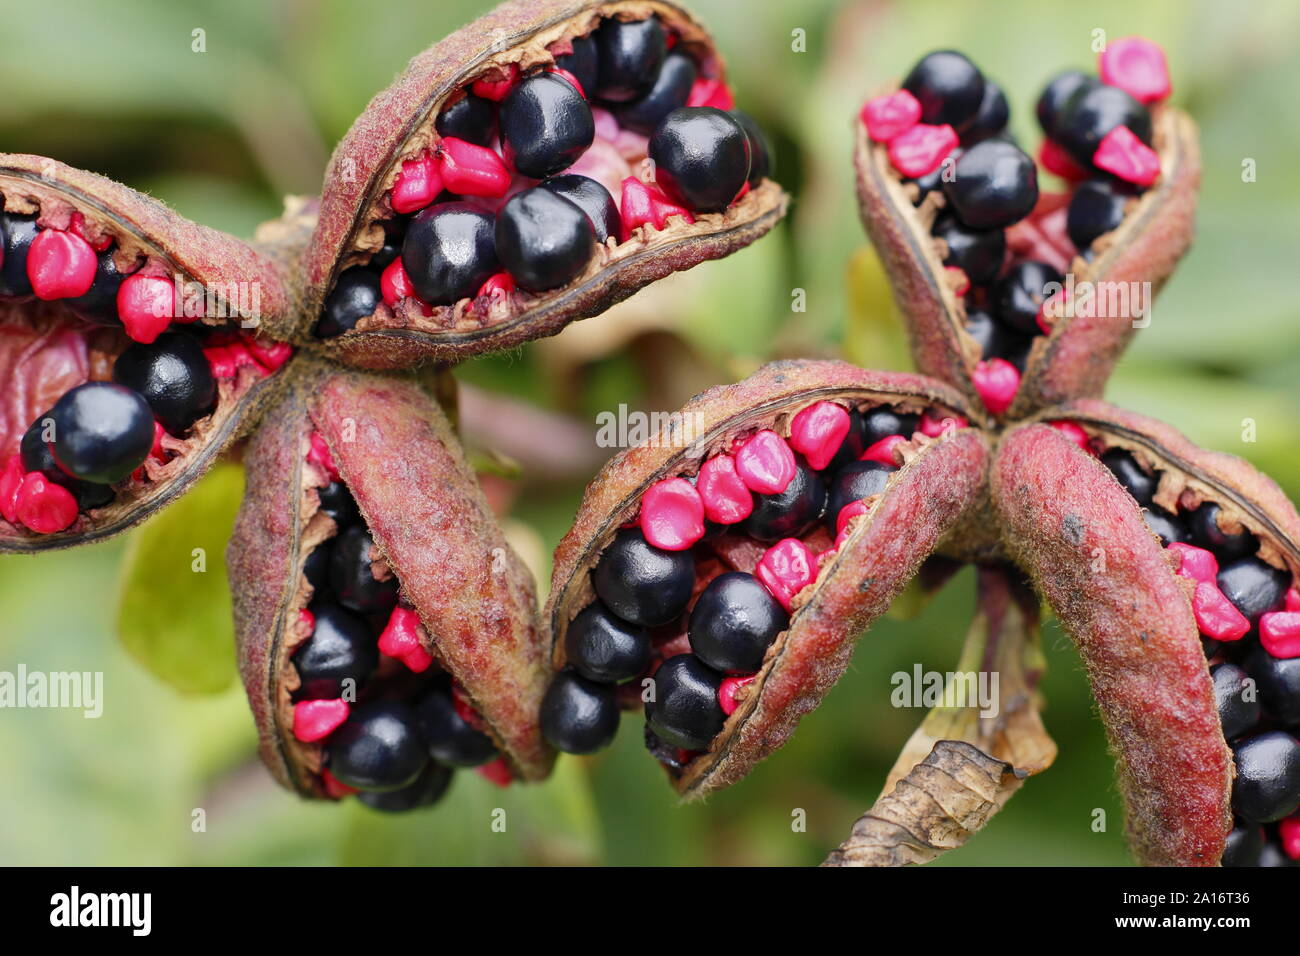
column 1137, row 66
column 1279, row 632
column 887, row 116
column 395, row 284
column 727, row 692
column 996, row 381
column 307, row 619
column 958, row 279
column 1289, row 833
column 1056, row 160
column 787, row 568
column 472, row 170
column 334, row 787
column 710, row 91
column 77, row 226
column 818, row 431
column 934, row 427
column 642, row 205
column 146, row 304
column 496, row 90
column 315, row 720
column 672, row 514
column 269, row 355
column 850, row 511
column 498, row 286
column 11, row 480
column 319, row 455
column 725, row 497
column 1073, row 432
column 765, row 463
column 418, row 184
column 60, row 265
column 919, row 150
column 1197, row 564
column 496, row 771
column 1122, row 153
column 44, row 506
column 883, row 451
column 1215, row 614
column 401, row 640
column 1293, row 600
column 156, row 451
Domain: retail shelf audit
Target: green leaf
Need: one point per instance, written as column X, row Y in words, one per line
column 174, row 616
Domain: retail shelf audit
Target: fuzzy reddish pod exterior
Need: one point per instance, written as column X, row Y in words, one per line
column 131, row 348
column 387, row 633
column 534, row 168
column 738, row 630
column 1021, row 295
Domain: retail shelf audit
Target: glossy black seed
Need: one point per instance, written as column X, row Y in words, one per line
column 976, row 252
column 37, row 456
column 853, row 482
column 996, row 340
column 1237, row 700
column 883, row 421
column 99, row 305
column 665, row 753
column 342, row 647
column 760, row 152
column 994, row 185
column 602, row 647
column 545, row 125
column 1278, row 681
column 171, row 374
column 102, row 432
column 1267, row 786
column 1095, row 209
column 1253, row 586
column 670, row 90
column 354, row 296
column 629, row 56
column 592, row 198
column 935, row 178
column 543, row 240
column 991, row 119
column 351, row 578
column 685, row 711
column 642, row 584
column 733, row 622
column 578, row 716
column 1137, row 482
column 583, row 63
column 1244, row 845
column 1206, row 533
column 1019, row 295
column 316, row 568
column 449, row 251
column 427, row 790
column 451, row 739
column 471, row 118
column 1056, row 94
column 791, row 512
column 1093, row 111
column 337, row 502
column 17, row 233
column 1164, row 525
column 378, row 747
column 949, row 87
column 701, row 157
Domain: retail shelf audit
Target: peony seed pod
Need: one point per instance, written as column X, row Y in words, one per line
column 131, row 352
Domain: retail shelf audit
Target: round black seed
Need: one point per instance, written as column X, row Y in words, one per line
column 791, row 512
column 701, row 157
column 545, row 125
column 1253, row 586
column 1278, row 681
column 1136, row 481
column 337, row 502
column 449, row 252
column 760, row 152
column 733, row 622
column 378, row 747
column 1056, row 95
column 671, row 88
column 99, row 305
column 685, row 711
column 341, row 648
column 994, row 185
column 592, row 198
column 171, row 374
column 583, row 63
column 427, row 790
column 1244, row 845
column 642, row 584
column 1019, row 295
column 1095, row 209
column 1236, row 698
column 1267, row 787
column 316, row 568
column 451, row 739
column 1093, row 111
column 354, row 296
column 991, row 119
column 602, row 647
column 1206, row 533
column 37, row 456
column 978, row 253
column 883, row 421
column 17, row 233
column 949, row 87
column 471, row 118
column 853, row 482
column 997, row 341
column 629, row 55
column 1164, row 525
column 578, row 716
column 102, row 432
column 351, row 578
column 543, row 240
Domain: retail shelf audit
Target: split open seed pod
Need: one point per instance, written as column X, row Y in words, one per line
column 500, row 188
column 131, row 349
column 386, row 631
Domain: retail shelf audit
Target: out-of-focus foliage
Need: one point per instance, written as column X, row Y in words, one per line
column 221, row 134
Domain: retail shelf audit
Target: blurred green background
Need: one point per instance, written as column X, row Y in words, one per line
column 222, row 134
